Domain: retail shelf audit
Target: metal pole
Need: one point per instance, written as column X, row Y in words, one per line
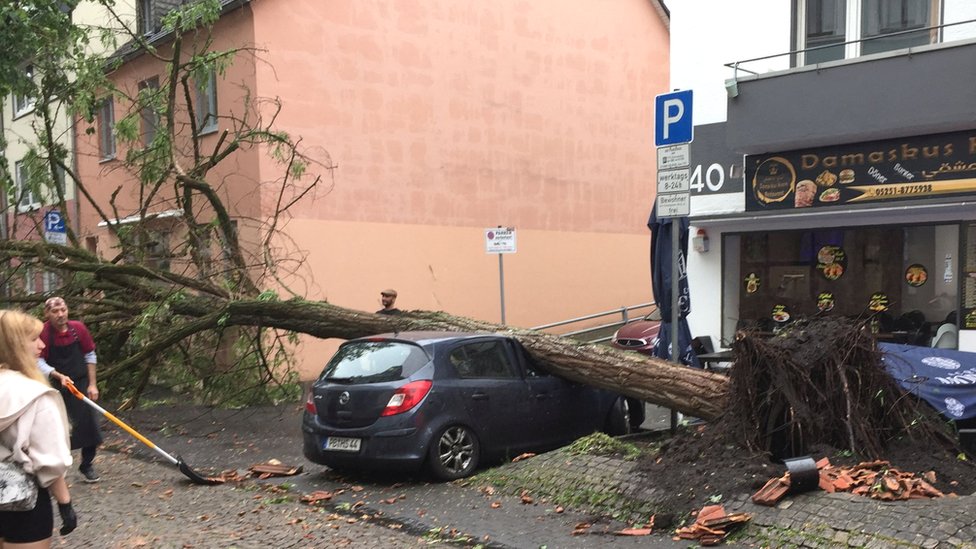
column 675, row 275
column 501, row 284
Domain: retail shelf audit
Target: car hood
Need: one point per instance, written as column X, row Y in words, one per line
column 641, row 329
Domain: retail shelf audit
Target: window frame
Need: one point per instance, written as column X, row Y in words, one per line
column 149, row 118
column 206, row 119
column 853, row 29
column 106, row 129
column 144, row 17
column 23, row 104
column 21, row 190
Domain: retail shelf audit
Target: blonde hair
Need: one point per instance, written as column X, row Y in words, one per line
column 17, row 329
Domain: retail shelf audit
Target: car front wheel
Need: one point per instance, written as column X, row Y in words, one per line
column 618, row 421
column 453, row 453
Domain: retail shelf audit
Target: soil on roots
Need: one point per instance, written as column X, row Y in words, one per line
column 819, row 389
column 702, row 465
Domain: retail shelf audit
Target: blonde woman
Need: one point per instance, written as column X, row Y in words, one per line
column 33, row 433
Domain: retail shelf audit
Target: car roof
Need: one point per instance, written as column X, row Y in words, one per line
column 428, row 338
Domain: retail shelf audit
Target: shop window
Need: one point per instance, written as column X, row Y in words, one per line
column 873, row 26
column 902, row 280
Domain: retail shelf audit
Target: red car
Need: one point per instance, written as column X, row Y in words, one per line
column 638, row 335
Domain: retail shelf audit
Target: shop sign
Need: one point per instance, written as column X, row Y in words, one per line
column 940, row 165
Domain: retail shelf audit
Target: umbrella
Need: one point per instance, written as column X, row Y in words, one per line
column 661, row 284
column 942, row 377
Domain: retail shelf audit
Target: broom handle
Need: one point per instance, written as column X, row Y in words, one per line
column 74, row 390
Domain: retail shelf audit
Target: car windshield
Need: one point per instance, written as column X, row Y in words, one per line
column 374, row 361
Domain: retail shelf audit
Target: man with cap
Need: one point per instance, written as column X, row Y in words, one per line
column 69, row 352
column 388, row 298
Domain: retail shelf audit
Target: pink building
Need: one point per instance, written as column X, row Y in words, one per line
column 443, row 119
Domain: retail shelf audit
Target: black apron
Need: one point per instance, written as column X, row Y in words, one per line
column 70, row 361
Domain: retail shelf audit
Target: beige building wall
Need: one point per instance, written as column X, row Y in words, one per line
column 446, row 118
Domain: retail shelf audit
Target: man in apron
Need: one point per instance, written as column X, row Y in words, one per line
column 70, row 352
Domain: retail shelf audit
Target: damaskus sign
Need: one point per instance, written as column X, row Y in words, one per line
column 928, row 166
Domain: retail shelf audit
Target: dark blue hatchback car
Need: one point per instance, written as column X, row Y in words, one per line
column 447, row 401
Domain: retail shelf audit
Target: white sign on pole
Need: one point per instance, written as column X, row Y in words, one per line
column 675, row 156
column 500, row 240
column 673, row 205
column 673, row 181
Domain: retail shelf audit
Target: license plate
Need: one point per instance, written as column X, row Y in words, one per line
column 341, row 444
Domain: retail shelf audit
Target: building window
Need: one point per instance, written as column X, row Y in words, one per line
column 880, row 18
column 206, row 105
column 26, row 198
column 144, row 17
column 826, row 24
column 50, row 281
column 148, row 114
column 106, row 129
column 24, row 104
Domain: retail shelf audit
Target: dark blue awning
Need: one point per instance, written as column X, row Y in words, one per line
column 944, row 378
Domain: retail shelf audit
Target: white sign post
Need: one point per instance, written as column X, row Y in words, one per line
column 673, row 130
column 501, row 241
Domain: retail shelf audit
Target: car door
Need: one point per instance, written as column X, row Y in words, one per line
column 491, row 391
column 561, row 409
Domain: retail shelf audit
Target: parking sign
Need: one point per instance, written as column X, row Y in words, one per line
column 672, row 118
column 54, row 230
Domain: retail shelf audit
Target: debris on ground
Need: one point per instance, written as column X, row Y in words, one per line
column 878, row 480
column 316, row 497
column 711, row 525
column 520, row 457
column 645, row 529
column 274, row 468
column 874, row 479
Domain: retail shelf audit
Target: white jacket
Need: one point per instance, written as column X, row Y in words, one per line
column 33, row 427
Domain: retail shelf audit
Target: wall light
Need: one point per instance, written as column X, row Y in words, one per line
column 700, row 241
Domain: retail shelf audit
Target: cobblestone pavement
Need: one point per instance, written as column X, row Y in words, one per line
column 144, row 501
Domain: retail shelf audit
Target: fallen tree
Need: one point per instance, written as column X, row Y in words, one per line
column 184, row 294
column 193, row 307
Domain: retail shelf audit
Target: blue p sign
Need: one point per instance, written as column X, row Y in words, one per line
column 672, row 118
column 53, row 222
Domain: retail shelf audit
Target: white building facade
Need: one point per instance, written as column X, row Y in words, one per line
column 833, row 165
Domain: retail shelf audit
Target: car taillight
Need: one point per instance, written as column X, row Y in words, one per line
column 310, row 404
column 407, row 397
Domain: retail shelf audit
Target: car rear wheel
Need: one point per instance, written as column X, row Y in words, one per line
column 454, row 453
column 618, row 421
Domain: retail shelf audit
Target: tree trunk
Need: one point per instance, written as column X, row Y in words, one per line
column 690, row 391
